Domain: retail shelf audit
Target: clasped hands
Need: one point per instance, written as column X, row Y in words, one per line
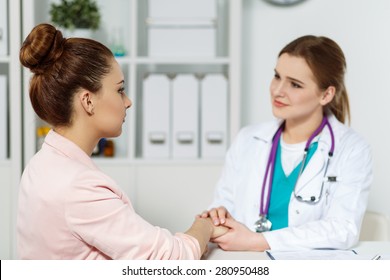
column 231, row 235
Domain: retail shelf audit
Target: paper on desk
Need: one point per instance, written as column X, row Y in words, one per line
column 319, row 254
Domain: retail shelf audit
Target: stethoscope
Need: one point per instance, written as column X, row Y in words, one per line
column 263, row 224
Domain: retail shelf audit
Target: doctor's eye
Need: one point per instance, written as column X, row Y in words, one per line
column 276, row 76
column 295, row 85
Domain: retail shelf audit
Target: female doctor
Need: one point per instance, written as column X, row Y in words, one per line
column 302, row 181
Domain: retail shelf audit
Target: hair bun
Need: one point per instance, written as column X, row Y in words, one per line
column 42, row 47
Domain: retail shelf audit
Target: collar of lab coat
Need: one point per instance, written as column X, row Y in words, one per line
column 267, row 132
column 68, row 148
column 317, row 162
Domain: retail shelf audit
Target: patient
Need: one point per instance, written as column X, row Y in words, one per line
column 68, row 208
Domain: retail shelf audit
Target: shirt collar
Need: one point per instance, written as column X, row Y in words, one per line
column 267, row 132
column 68, row 148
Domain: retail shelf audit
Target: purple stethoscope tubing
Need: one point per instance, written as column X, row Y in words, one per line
column 271, row 164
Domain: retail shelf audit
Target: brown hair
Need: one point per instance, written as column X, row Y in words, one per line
column 327, row 62
column 61, row 67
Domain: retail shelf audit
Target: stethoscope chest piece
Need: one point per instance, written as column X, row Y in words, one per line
column 263, row 224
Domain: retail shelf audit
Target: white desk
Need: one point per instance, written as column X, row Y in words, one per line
column 373, row 247
column 362, row 248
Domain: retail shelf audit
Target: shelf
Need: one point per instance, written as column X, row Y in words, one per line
column 173, row 60
column 146, row 162
column 136, row 64
column 5, row 163
column 5, row 59
column 124, row 60
column 181, row 60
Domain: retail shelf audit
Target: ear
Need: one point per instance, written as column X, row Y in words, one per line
column 328, row 95
column 86, row 101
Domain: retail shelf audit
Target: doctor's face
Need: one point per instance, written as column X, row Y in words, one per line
column 111, row 103
column 294, row 92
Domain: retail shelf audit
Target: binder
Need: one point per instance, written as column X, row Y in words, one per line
column 182, row 8
column 156, row 116
column 182, row 42
column 187, row 30
column 214, row 98
column 3, row 118
column 185, row 116
column 3, row 28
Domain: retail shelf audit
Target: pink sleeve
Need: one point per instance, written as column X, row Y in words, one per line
column 99, row 214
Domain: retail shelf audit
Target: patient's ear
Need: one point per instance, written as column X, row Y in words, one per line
column 328, row 95
column 86, row 101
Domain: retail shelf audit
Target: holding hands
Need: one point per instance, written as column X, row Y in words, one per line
column 232, row 235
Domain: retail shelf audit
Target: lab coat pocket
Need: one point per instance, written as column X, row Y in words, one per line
column 313, row 201
column 330, row 184
column 312, row 191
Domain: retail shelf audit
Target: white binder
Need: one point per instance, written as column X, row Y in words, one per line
column 156, row 116
column 185, row 116
column 187, row 30
column 3, row 118
column 214, row 94
column 182, row 8
column 3, row 28
column 182, row 42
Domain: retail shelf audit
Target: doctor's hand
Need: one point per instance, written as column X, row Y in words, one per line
column 217, row 215
column 218, row 231
column 240, row 238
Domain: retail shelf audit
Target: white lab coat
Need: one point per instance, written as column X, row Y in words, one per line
column 334, row 222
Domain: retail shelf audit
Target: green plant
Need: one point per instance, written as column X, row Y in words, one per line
column 72, row 14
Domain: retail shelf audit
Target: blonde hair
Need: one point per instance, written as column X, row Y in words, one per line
column 327, row 62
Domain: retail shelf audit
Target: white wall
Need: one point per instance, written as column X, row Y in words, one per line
column 362, row 29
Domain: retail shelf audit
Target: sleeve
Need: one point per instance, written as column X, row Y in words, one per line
column 339, row 227
column 98, row 213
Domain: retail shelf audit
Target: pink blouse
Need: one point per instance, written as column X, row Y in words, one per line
column 69, row 209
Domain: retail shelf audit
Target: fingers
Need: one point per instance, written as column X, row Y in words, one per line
column 223, row 214
column 213, row 214
column 217, row 215
column 230, row 223
column 204, row 214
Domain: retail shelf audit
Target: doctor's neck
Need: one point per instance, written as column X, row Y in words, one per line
column 299, row 130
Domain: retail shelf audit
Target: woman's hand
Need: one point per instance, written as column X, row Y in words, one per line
column 218, row 231
column 240, row 238
column 203, row 230
column 217, row 215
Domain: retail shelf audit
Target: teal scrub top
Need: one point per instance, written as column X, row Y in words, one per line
column 282, row 188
